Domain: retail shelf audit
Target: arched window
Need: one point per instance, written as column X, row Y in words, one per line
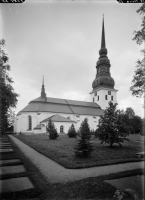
column 61, row 129
column 98, row 98
column 29, row 122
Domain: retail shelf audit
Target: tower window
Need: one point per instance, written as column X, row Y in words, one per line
column 106, row 97
column 98, row 98
column 95, row 93
column 111, row 98
column 109, row 92
column 29, row 122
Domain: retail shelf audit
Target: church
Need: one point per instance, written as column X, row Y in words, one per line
column 34, row 118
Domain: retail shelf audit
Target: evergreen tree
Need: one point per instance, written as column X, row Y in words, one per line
column 83, row 147
column 72, row 132
column 52, row 130
column 111, row 129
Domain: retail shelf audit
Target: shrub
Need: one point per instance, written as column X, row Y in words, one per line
column 83, row 147
column 72, row 132
column 52, row 130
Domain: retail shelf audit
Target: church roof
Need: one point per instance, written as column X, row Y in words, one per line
column 58, row 118
column 38, row 126
column 56, row 105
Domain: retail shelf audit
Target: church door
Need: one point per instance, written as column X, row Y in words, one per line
column 61, row 129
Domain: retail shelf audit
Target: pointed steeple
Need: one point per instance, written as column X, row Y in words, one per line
column 103, row 35
column 103, row 75
column 43, row 94
column 103, row 50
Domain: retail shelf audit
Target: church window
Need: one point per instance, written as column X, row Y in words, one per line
column 111, row 98
column 98, row 98
column 29, row 122
column 95, row 93
column 93, row 99
column 106, row 97
column 109, row 92
column 61, row 129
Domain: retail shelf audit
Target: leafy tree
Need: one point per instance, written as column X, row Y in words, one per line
column 136, row 123
column 130, row 112
column 84, row 147
column 111, row 129
column 138, row 82
column 8, row 97
column 52, row 130
column 72, row 132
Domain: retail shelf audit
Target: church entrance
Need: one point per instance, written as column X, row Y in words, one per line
column 61, row 129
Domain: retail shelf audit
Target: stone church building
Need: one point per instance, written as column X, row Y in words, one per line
column 34, row 117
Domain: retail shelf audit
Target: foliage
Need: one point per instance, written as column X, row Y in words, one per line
column 84, row 147
column 72, row 132
column 137, row 124
column 127, row 194
column 8, row 97
column 52, row 130
column 132, row 122
column 130, row 112
column 138, row 82
column 111, row 128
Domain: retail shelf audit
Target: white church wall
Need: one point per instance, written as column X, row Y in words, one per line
column 21, row 125
column 66, row 126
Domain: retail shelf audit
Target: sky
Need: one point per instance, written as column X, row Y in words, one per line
column 60, row 40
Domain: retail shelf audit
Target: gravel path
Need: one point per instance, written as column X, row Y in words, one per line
column 56, row 173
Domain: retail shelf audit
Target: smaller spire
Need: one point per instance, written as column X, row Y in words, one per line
column 43, row 82
column 43, row 94
column 103, row 45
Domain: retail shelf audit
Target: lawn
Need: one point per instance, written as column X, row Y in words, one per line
column 61, row 150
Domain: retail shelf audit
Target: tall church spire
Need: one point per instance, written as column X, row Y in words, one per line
column 43, row 94
column 103, row 35
column 103, row 75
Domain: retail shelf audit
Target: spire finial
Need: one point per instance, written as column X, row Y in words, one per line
column 43, row 81
column 103, row 45
column 43, row 94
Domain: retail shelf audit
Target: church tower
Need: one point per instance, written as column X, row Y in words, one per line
column 103, row 85
column 43, row 94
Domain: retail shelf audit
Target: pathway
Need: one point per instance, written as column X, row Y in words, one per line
column 55, row 173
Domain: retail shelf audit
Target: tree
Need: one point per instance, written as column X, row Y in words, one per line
column 138, row 82
column 52, row 130
column 72, row 132
column 130, row 112
column 83, row 147
column 136, row 123
column 111, row 129
column 8, row 97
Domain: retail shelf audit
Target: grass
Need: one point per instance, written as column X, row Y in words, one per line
column 61, row 150
column 90, row 188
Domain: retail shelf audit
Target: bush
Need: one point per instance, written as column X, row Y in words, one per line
column 83, row 147
column 72, row 132
column 52, row 130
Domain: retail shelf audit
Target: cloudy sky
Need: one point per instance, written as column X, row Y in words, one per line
column 60, row 40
